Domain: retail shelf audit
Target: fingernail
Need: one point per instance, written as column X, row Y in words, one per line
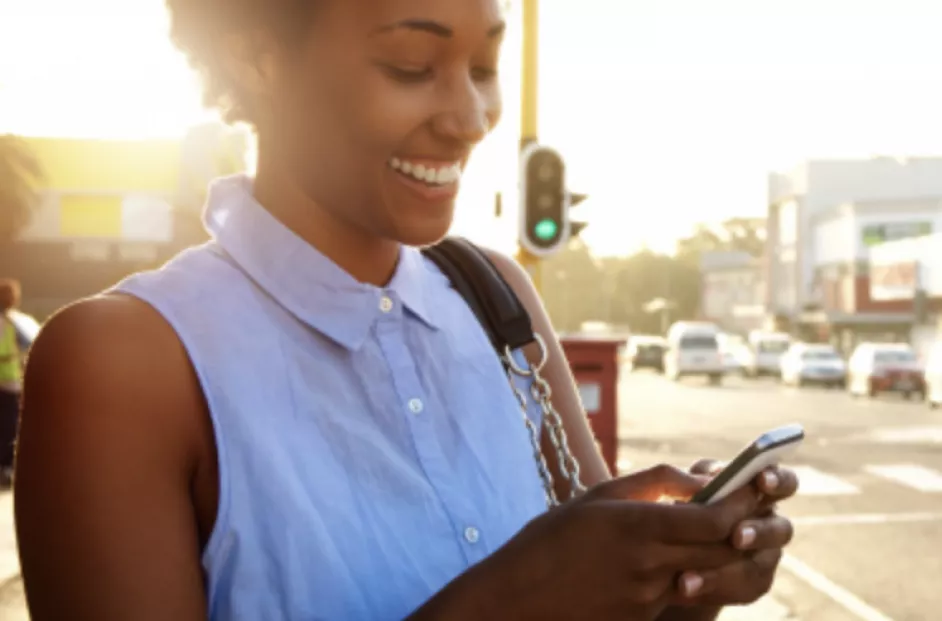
column 770, row 479
column 747, row 536
column 692, row 584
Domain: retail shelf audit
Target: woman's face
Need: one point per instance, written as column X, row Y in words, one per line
column 376, row 112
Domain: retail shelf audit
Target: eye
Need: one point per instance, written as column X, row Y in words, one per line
column 483, row 74
column 407, row 76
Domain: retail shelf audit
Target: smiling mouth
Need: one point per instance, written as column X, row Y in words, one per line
column 439, row 175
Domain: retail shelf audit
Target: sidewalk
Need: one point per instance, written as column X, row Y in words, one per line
column 9, row 561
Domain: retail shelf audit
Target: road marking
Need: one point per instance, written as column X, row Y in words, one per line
column 901, row 435
column 835, row 592
column 862, row 519
column 910, row 475
column 813, row 482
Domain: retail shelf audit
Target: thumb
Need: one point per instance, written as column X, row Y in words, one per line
column 651, row 485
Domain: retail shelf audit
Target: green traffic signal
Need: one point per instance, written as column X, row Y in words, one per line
column 546, row 229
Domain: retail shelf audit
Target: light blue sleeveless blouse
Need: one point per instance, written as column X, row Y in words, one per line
column 370, row 447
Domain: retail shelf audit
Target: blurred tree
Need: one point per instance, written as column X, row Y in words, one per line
column 20, row 177
column 743, row 234
column 573, row 290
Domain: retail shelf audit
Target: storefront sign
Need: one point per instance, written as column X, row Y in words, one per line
column 874, row 234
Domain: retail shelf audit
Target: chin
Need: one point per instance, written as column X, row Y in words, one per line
column 423, row 231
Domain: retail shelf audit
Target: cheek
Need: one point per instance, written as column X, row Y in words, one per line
column 387, row 115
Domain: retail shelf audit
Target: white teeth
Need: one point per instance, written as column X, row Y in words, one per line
column 430, row 175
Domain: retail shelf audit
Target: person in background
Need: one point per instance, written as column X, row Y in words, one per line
column 302, row 419
column 11, row 374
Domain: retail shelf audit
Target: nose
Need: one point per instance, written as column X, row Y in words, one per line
column 469, row 114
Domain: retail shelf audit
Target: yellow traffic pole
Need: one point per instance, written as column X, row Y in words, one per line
column 529, row 95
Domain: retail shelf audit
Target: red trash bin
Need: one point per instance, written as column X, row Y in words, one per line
column 594, row 363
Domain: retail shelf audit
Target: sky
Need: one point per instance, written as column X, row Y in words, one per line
column 668, row 112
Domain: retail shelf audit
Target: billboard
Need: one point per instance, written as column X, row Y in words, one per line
column 893, row 281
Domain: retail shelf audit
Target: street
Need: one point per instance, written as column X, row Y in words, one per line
column 869, row 514
column 868, row 517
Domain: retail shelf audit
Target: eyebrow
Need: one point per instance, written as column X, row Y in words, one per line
column 434, row 28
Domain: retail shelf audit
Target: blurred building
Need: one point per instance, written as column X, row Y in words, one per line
column 108, row 208
column 906, row 275
column 823, row 217
column 733, row 291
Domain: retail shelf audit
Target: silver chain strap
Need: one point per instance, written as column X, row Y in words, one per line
column 542, row 393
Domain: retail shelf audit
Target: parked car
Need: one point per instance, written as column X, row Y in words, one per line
column 876, row 368
column 812, row 363
column 693, row 349
column 647, row 352
column 932, row 376
column 762, row 353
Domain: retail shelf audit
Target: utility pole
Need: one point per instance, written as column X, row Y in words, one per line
column 529, row 105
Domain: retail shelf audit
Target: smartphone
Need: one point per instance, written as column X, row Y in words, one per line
column 767, row 450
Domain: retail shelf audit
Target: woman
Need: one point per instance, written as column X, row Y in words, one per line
column 301, row 419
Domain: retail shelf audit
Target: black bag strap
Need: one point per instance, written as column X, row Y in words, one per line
column 478, row 281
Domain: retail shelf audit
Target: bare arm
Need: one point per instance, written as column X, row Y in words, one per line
column 109, row 448
column 557, row 373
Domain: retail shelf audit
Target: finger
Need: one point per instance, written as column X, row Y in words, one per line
column 778, row 483
column 651, row 485
column 709, row 467
column 689, row 523
column 768, row 533
column 694, row 584
column 735, row 508
column 661, row 558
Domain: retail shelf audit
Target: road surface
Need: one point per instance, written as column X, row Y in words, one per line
column 869, row 515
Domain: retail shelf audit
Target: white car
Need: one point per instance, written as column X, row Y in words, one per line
column 693, row 349
column 806, row 363
column 933, row 376
column 763, row 352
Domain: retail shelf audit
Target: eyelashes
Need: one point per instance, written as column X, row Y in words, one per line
column 418, row 76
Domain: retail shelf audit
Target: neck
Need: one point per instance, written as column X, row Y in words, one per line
column 363, row 255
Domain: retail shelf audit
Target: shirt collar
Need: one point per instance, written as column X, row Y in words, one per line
column 301, row 279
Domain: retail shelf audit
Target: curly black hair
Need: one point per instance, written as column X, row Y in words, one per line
column 199, row 27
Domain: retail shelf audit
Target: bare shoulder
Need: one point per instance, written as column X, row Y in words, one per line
column 519, row 280
column 107, row 348
column 109, row 446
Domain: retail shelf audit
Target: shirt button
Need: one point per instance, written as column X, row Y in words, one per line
column 471, row 534
column 385, row 304
column 416, row 406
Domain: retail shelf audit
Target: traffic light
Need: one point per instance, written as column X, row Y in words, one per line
column 544, row 201
column 576, row 226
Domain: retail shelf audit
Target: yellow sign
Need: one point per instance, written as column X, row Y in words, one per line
column 90, row 216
